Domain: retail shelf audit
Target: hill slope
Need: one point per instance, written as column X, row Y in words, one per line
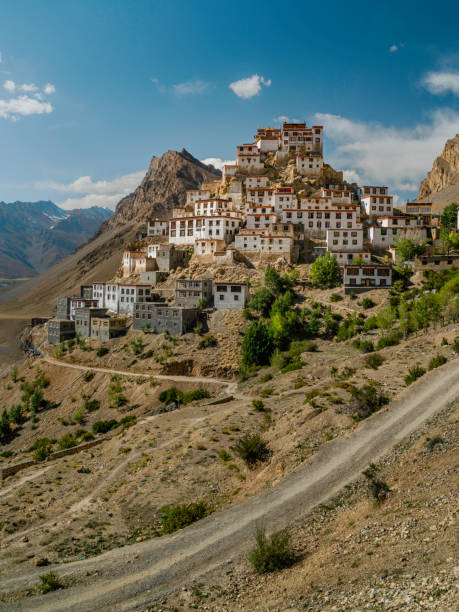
column 441, row 187
column 36, row 235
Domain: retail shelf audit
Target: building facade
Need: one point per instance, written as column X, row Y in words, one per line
column 160, row 318
column 189, row 292
column 232, row 296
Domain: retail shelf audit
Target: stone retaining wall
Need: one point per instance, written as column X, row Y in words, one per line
column 9, row 470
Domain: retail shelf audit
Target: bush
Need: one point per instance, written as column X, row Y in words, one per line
column 6, row 433
column 50, row 582
column 413, row 374
column 366, row 400
column 16, row 414
column 207, row 341
column 374, row 361
column 88, row 376
column 257, row 345
column 378, row 488
column 137, row 345
column 67, row 441
column 389, row 340
column 262, row 301
column 224, row 455
column 181, row 515
column 91, row 405
column 42, row 453
column 291, row 367
column 258, row 405
column 336, row 297
column 79, row 416
column 353, row 295
column 252, row 448
column 367, row 303
column 104, row 426
column 127, row 421
column 194, row 395
column 366, row 346
column 272, row 553
column 431, row 443
column 41, row 443
column 437, row 361
column 103, row 350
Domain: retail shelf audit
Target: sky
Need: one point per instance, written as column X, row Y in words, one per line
column 90, row 91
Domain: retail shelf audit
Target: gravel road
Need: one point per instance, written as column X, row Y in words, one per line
column 129, row 578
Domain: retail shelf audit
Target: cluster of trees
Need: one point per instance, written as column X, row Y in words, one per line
column 280, row 322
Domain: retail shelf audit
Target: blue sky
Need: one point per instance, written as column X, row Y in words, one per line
column 89, row 91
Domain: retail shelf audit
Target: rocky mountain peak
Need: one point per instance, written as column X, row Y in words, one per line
column 163, row 187
column 441, row 186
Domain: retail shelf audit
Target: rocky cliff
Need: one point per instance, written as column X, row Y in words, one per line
column 163, row 187
column 441, row 187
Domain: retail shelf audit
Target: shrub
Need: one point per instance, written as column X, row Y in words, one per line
column 103, row 350
column 207, row 341
column 252, row 448
column 366, row 346
column 374, row 361
column 16, row 414
column 265, row 378
column 42, row 453
column 353, row 295
column 50, row 582
column 366, row 400
column 437, row 361
column 137, row 345
column 378, row 488
column 272, row 553
column 367, row 303
column 202, row 304
column 258, row 405
column 291, row 367
column 181, row 515
column 414, row 373
column 257, row 345
column 194, row 394
column 79, row 416
column 6, row 433
column 456, row 345
column 88, row 376
column 41, row 443
column 104, row 426
column 370, row 323
column 127, row 421
column 262, row 301
column 91, row 405
column 431, row 443
column 224, row 455
column 67, row 441
column 86, row 436
column 336, row 297
column 389, row 340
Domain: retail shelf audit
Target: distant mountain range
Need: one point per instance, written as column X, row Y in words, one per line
column 36, row 235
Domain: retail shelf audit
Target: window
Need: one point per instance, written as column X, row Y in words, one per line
column 222, row 297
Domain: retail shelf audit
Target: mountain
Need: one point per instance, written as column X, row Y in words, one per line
column 36, row 235
column 163, row 187
column 441, row 187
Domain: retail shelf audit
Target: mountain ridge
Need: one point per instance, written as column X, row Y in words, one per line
column 441, row 186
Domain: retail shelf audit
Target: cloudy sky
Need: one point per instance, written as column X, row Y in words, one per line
column 90, row 91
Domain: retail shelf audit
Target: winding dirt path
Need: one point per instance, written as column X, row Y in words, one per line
column 129, row 578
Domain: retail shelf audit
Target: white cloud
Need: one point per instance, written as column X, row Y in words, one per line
column 190, row 87
column 442, row 82
column 249, row 87
column 159, row 86
column 23, row 106
column 217, row 162
column 28, row 87
column 393, row 48
column 9, row 86
column 49, row 89
column 381, row 155
column 95, row 193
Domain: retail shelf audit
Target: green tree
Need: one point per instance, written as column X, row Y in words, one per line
column 262, row 301
column 325, row 272
column 257, row 345
column 449, row 216
column 36, row 399
column 6, row 432
column 273, row 281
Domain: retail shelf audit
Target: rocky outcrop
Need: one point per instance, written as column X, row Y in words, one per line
column 441, row 187
column 163, row 187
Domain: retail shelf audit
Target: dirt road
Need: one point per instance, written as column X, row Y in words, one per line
column 128, row 578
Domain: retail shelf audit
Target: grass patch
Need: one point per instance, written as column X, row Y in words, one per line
column 179, row 516
column 273, row 553
column 413, row 374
